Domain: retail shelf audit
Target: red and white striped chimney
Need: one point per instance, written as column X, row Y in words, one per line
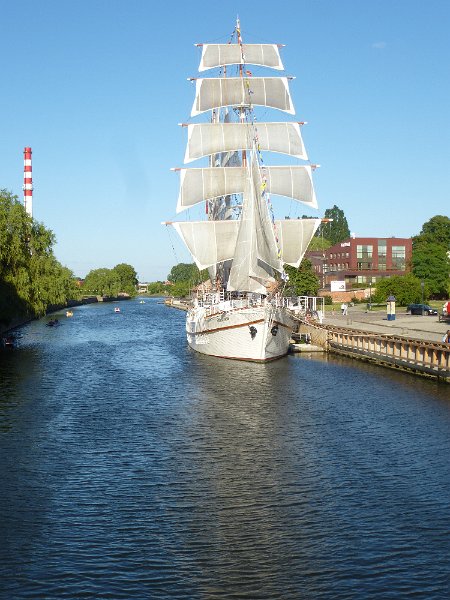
column 27, row 182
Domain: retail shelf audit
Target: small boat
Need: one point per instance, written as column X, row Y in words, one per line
column 142, row 302
column 69, row 313
column 117, row 309
column 8, row 342
column 53, row 323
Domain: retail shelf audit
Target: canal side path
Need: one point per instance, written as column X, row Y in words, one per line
column 427, row 328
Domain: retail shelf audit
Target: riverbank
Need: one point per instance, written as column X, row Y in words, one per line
column 20, row 322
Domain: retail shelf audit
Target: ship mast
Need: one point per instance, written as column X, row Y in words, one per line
column 241, row 74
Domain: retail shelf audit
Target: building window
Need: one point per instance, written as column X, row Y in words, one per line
column 364, row 251
column 363, row 265
column 399, row 258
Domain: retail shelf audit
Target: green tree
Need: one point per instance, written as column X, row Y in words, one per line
column 437, row 229
column 31, row 279
column 430, row 257
column 102, row 282
column 127, row 278
column 187, row 272
column 180, row 289
column 156, row 288
column 318, row 243
column 111, row 282
column 406, row 289
column 302, row 281
column 337, row 230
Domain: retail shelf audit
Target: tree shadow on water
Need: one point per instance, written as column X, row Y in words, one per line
column 13, row 308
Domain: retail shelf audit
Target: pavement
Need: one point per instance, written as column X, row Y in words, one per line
column 412, row 326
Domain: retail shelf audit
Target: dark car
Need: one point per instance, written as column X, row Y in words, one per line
column 421, row 309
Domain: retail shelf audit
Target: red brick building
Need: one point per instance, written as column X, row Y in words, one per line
column 361, row 262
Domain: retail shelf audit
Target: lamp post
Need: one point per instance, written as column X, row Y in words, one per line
column 422, row 285
column 370, row 295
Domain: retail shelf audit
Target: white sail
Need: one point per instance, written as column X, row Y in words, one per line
column 294, row 182
column 205, row 139
column 209, row 242
column 237, row 91
column 206, row 183
column 219, row 55
column 294, row 236
column 197, row 185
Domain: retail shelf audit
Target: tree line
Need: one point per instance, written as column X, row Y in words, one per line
column 121, row 279
column 32, row 280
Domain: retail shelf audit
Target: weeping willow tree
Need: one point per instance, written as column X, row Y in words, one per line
column 31, row 278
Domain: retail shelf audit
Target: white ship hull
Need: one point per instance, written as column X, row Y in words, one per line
column 259, row 333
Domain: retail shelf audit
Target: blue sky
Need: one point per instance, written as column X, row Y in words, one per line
column 97, row 89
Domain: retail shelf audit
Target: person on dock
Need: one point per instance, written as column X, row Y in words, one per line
column 446, row 338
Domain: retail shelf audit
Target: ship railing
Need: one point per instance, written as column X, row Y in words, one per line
column 303, row 305
column 218, row 302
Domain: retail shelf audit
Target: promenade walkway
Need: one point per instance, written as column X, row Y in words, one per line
column 410, row 326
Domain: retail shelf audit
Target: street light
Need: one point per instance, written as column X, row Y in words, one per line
column 422, row 285
column 370, row 295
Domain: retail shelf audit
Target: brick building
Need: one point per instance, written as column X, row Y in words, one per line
column 361, row 262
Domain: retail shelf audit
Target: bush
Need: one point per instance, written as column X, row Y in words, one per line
column 328, row 300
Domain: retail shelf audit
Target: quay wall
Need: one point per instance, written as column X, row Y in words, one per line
column 417, row 356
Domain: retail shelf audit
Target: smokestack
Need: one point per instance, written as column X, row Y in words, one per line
column 27, row 182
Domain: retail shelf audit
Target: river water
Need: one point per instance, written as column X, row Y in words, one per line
column 132, row 467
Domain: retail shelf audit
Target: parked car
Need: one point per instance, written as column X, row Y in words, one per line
column 421, row 309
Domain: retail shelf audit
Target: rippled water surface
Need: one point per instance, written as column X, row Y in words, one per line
column 132, row 467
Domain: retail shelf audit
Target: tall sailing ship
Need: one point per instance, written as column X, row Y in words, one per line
column 244, row 314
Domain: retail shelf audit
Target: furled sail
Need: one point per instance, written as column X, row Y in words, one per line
column 205, row 139
column 256, row 254
column 294, row 236
column 209, row 242
column 201, row 184
column 217, row 55
column 237, row 91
